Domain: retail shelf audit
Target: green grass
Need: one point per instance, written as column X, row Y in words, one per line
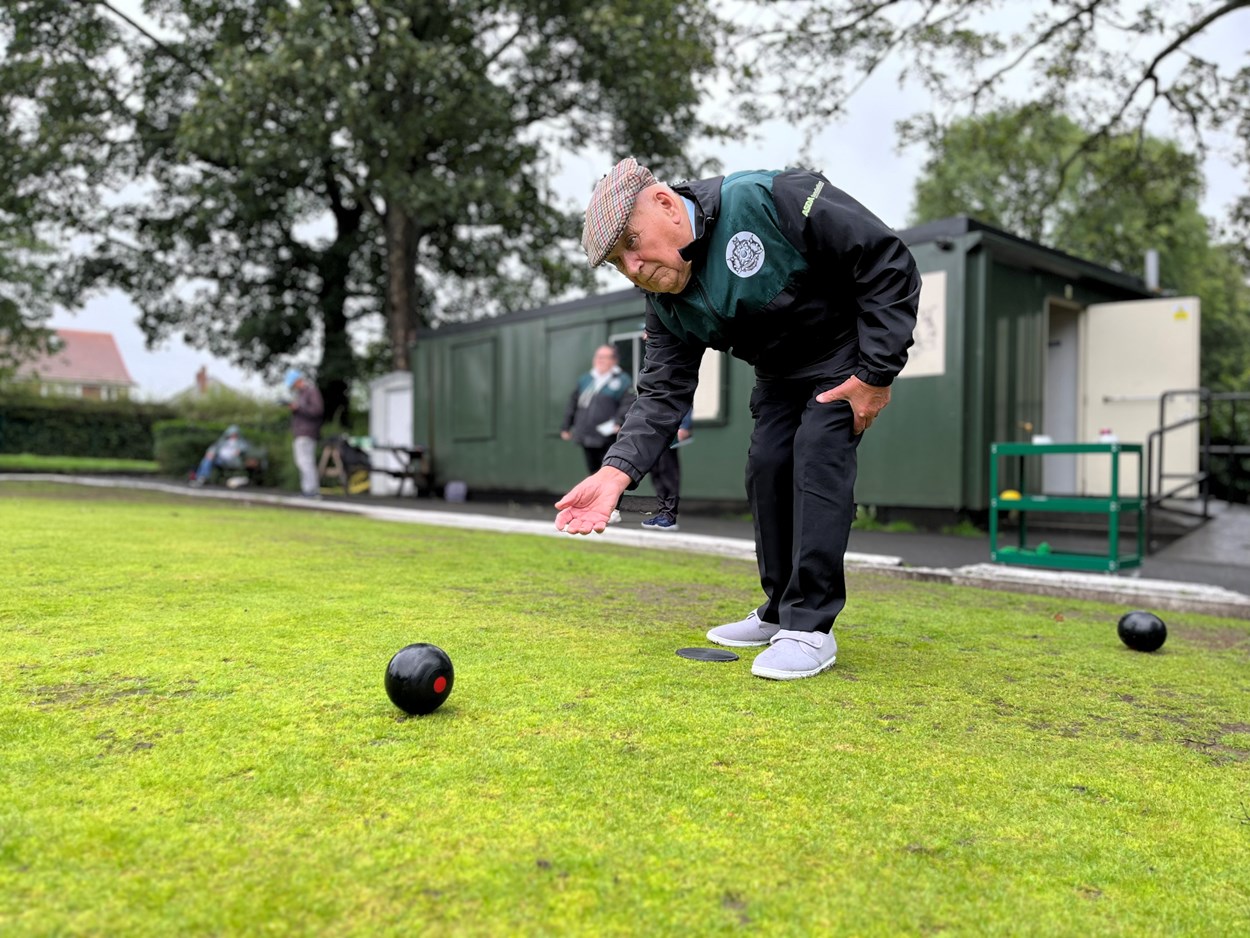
column 866, row 520
column 963, row 528
column 194, row 740
column 29, row 462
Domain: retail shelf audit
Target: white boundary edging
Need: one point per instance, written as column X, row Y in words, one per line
column 618, row 536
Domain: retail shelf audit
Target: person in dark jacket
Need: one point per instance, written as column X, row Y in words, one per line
column 307, row 410
column 597, row 406
column 666, row 477
column 789, row 273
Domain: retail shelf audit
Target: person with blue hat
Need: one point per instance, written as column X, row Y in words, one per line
column 307, row 411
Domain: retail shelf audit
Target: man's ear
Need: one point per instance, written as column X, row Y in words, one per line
column 669, row 203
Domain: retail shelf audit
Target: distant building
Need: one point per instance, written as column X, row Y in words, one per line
column 204, row 385
column 87, row 365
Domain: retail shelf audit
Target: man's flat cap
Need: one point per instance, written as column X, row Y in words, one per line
column 610, row 207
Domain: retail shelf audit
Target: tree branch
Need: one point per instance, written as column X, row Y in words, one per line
column 1149, row 75
column 160, row 44
column 1032, row 47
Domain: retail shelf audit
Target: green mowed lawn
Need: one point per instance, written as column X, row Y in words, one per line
column 30, row 462
column 194, row 739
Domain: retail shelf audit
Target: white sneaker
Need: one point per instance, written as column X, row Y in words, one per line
column 793, row 655
column 747, row 633
column 615, row 517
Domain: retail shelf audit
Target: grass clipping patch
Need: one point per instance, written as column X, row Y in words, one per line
column 194, row 739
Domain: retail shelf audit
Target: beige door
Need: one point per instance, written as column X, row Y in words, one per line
column 1132, row 353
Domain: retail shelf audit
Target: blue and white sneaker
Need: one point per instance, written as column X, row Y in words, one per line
column 661, row 523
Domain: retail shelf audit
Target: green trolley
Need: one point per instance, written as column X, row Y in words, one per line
column 1118, row 556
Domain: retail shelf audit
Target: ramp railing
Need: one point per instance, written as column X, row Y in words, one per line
column 1162, row 485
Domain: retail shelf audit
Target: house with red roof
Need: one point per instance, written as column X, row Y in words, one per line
column 87, row 365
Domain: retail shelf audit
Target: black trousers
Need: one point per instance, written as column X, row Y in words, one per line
column 666, row 477
column 594, row 456
column 801, row 486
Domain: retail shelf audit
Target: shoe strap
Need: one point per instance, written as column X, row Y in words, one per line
column 814, row 639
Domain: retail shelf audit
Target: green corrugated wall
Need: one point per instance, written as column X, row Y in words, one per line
column 489, row 396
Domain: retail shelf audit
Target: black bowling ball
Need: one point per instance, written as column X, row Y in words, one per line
column 419, row 678
column 1142, row 631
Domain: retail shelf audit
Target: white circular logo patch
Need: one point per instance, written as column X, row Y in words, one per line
column 745, row 254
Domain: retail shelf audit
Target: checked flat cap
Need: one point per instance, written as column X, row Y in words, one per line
column 610, row 207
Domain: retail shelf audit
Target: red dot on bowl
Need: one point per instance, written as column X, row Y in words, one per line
column 440, row 684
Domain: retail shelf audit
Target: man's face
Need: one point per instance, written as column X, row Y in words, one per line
column 605, row 360
column 649, row 250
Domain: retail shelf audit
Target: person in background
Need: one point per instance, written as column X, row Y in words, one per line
column 228, row 452
column 307, row 409
column 666, row 477
column 597, row 406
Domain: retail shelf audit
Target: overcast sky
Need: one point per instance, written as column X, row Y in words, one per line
column 858, row 155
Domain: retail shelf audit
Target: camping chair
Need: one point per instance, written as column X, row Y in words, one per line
column 348, row 464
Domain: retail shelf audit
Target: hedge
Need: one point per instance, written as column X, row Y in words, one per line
column 180, row 445
column 67, row 427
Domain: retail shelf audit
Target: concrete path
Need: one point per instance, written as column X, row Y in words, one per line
column 1207, row 571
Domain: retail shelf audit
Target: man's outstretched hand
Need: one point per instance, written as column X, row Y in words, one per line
column 586, row 509
column 866, row 400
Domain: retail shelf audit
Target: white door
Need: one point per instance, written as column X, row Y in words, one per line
column 1061, row 410
column 390, row 424
column 1131, row 353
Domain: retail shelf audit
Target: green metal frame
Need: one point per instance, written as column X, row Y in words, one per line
column 1113, row 507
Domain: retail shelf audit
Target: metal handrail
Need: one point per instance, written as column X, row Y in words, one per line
column 1155, row 495
column 1155, row 476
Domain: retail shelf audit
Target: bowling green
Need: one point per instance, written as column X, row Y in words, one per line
column 194, row 740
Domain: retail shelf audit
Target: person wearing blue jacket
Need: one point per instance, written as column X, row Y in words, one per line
column 785, row 271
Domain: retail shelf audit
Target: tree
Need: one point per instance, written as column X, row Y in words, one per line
column 444, row 121
column 23, row 304
column 1111, row 64
column 1109, row 206
column 312, row 167
column 59, row 145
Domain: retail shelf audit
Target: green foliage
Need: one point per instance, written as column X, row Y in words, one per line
column 1230, row 426
column 61, row 427
column 194, row 740
column 202, row 418
column 1109, row 204
column 1114, row 66
column 963, row 528
column 1221, row 277
column 319, row 170
column 228, row 406
column 866, row 520
column 180, row 445
column 63, row 136
column 24, row 300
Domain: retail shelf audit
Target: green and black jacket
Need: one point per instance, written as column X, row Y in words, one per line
column 789, row 273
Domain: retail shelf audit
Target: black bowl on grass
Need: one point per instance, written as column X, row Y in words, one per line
column 1142, row 631
column 419, row 678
